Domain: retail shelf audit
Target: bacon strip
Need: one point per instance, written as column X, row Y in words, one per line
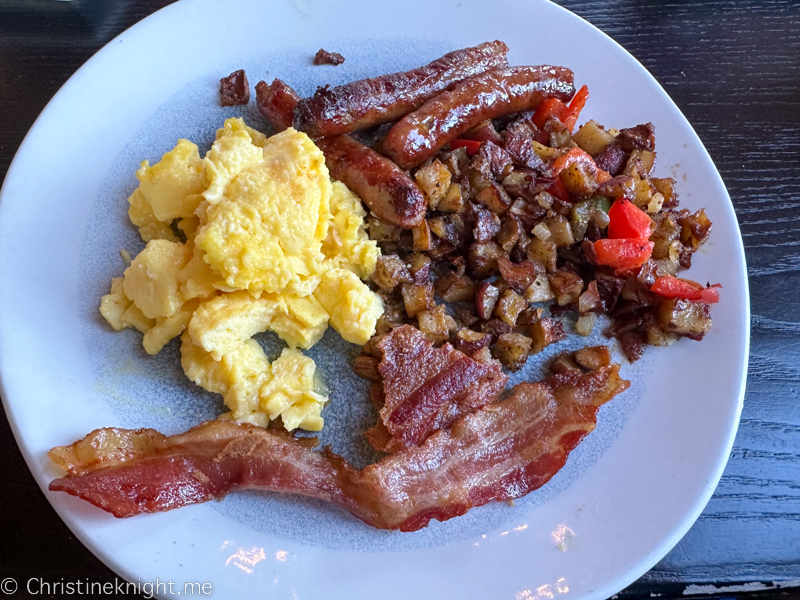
column 368, row 102
column 420, row 134
column 499, row 452
column 428, row 388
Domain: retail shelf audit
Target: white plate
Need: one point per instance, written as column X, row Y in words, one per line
column 628, row 493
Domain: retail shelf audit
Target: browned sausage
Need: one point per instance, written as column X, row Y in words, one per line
column 276, row 103
column 385, row 189
column 420, row 134
column 368, row 102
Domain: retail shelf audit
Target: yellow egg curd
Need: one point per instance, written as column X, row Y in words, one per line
column 272, row 243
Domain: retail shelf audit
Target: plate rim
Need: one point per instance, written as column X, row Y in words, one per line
column 632, row 574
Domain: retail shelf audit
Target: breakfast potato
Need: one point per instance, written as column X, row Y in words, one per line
column 417, row 298
column 513, row 349
column 544, row 332
column 436, row 324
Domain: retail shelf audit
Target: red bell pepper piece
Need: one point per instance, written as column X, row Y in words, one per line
column 673, row 287
column 552, row 107
column 575, row 107
column 623, row 255
column 471, row 145
column 626, row 220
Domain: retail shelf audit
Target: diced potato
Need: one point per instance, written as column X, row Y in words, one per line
column 482, row 258
column 486, row 299
column 381, row 231
column 560, row 231
column 621, row 186
column 695, row 229
column 423, row 237
column 371, row 347
column 417, row 297
column 509, row 306
column 453, row 200
column 469, row 341
column 544, row 332
column 642, row 194
column 540, row 290
column 561, row 138
column 484, row 355
column 684, row 317
column 666, row 187
column 580, row 179
column 545, row 252
column 513, row 349
column 546, row 153
column 434, row 180
column 456, row 162
column 495, row 198
column 455, row 288
column 450, row 228
column 648, row 158
column 593, row 357
column 390, row 272
column 592, row 138
column 521, row 275
column 665, row 232
column 509, row 234
column 656, row 336
column 419, row 266
column 590, row 299
column 567, row 287
column 436, row 324
column 529, row 316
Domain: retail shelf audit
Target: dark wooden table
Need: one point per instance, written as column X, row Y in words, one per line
column 733, row 67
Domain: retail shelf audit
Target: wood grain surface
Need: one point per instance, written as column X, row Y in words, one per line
column 733, row 68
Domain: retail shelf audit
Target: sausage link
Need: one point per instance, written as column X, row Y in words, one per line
column 276, row 103
column 385, row 189
column 368, row 102
column 420, row 134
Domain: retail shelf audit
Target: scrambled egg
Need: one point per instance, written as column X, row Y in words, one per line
column 272, row 244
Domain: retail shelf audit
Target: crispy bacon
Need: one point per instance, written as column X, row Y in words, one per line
column 499, row 452
column 428, row 388
column 131, row 472
column 502, row 451
column 368, row 102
